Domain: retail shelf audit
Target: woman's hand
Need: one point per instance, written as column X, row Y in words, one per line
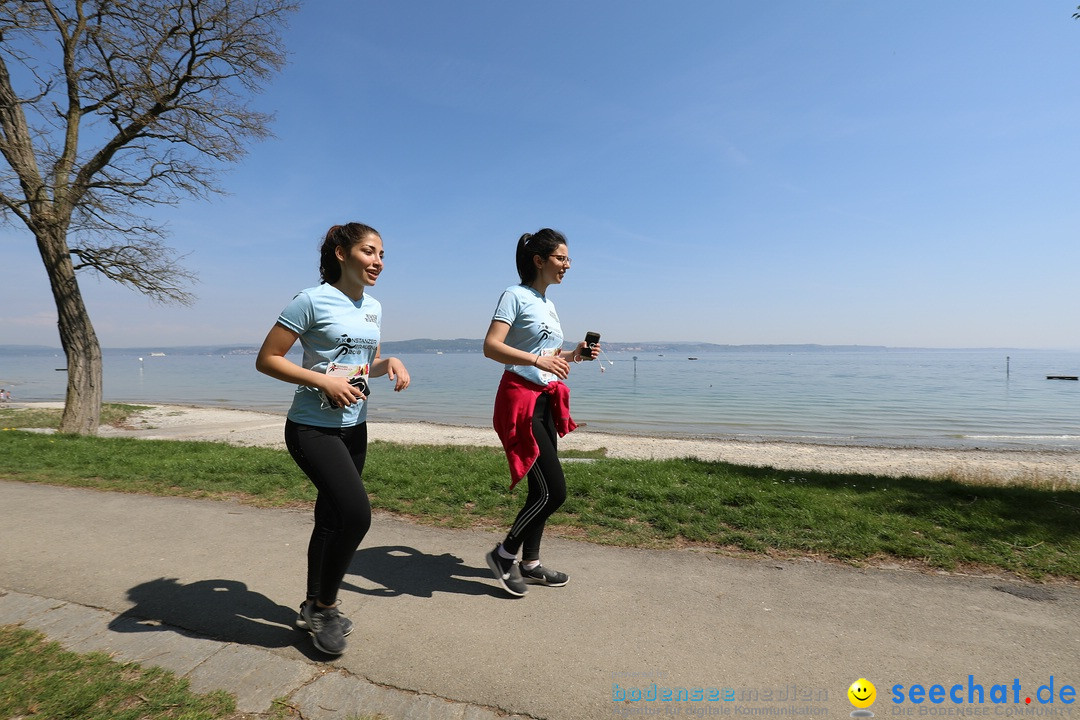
column 395, row 370
column 579, row 351
column 340, row 392
column 555, row 364
column 391, row 367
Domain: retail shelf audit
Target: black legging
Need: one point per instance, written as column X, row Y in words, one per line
column 334, row 460
column 547, row 487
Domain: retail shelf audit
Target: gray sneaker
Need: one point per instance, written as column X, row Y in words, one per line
column 507, row 573
column 301, row 621
column 324, row 624
column 543, row 576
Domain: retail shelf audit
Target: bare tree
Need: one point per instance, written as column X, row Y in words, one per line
column 125, row 105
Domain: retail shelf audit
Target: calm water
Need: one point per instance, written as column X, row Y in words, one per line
column 925, row 398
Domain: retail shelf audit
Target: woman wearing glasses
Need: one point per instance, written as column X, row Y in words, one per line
column 532, row 405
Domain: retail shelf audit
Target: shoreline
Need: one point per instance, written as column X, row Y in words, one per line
column 260, row 429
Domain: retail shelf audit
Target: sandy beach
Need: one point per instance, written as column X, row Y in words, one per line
column 249, row 428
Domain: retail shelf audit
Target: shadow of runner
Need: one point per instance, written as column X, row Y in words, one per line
column 402, row 570
column 222, row 609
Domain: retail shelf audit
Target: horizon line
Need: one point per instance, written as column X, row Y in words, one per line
column 624, row 345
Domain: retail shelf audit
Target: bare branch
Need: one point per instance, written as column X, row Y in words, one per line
column 141, row 106
column 18, row 207
column 150, row 267
column 176, row 80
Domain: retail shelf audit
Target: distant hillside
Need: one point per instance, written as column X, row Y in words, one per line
column 426, row 345
column 463, row 345
column 469, row 345
column 692, row 347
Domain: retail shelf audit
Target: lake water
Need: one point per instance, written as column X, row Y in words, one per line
column 919, row 398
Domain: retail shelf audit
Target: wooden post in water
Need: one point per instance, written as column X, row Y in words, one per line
column 1006, row 366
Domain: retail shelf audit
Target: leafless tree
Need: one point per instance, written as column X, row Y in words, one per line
column 122, row 105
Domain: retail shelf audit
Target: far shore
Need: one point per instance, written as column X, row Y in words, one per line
column 253, row 428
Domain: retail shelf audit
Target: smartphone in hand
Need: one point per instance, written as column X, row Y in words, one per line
column 591, row 339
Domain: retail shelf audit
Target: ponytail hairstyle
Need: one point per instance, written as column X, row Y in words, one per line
column 340, row 236
column 542, row 243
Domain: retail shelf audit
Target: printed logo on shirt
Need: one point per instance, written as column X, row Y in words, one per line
column 348, row 344
column 372, row 318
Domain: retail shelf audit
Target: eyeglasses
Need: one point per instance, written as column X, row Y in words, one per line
column 563, row 259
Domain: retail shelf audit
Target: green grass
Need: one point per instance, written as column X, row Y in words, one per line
column 1030, row 530
column 32, row 417
column 39, row 679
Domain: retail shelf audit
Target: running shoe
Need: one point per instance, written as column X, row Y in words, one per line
column 324, row 624
column 507, row 573
column 301, row 621
column 542, row 576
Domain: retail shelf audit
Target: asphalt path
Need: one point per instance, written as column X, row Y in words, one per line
column 756, row 636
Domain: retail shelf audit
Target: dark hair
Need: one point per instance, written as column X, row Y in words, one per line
column 343, row 236
column 542, row 243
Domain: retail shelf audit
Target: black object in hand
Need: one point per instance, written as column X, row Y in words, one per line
column 591, row 339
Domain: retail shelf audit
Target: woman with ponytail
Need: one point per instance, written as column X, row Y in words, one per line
column 532, row 405
column 338, row 325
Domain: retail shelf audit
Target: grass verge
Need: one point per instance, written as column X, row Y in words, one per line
column 39, row 679
column 1032, row 531
column 34, row 417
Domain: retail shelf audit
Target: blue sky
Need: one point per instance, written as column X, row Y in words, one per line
column 843, row 172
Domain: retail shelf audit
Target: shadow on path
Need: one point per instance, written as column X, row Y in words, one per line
column 222, row 609
column 402, row 570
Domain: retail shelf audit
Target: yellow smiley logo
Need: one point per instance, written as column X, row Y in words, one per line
column 862, row 693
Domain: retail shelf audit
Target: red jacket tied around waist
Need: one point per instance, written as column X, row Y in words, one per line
column 514, row 405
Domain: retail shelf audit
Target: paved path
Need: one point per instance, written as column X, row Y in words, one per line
column 209, row 589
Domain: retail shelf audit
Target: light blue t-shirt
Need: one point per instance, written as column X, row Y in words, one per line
column 534, row 328
column 332, row 329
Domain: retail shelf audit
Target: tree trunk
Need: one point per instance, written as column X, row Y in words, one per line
column 82, row 406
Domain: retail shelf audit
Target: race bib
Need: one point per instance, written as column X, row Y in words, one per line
column 357, row 375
